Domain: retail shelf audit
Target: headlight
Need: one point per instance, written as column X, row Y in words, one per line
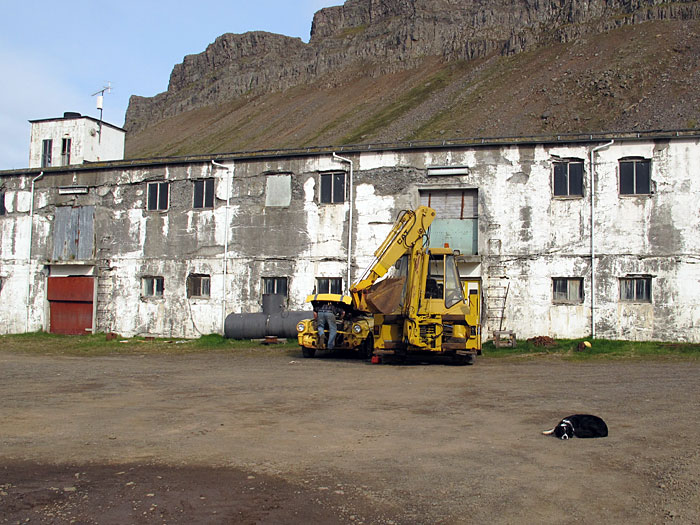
column 357, row 328
column 300, row 327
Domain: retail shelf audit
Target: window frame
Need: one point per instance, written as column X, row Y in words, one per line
column 66, row 146
column 159, row 198
column 152, row 286
column 644, row 291
column 329, row 284
column 333, row 194
column 567, row 164
column 275, row 283
column 635, row 162
column 46, row 153
column 197, row 284
column 568, row 300
column 205, row 201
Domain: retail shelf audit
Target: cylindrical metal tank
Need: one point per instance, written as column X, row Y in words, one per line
column 257, row 326
column 272, row 303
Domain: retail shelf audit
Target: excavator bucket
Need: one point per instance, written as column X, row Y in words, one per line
column 384, row 297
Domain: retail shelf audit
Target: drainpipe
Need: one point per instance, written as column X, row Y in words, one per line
column 225, row 257
column 592, row 166
column 29, row 256
column 347, row 283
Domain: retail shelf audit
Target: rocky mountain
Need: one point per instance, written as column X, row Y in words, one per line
column 389, row 70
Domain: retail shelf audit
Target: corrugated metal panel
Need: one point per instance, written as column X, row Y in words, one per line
column 73, row 233
column 452, row 204
column 71, row 304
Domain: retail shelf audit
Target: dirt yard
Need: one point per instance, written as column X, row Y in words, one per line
column 270, row 437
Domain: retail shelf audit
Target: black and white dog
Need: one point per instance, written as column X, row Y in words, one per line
column 579, row 425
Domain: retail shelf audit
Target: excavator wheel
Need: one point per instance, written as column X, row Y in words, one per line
column 308, row 352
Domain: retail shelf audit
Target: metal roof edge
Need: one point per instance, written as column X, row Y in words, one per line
column 104, row 122
column 569, row 138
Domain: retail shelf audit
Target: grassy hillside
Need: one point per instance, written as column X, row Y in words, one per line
column 641, row 77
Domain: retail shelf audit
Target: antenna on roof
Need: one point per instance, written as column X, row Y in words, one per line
column 100, row 102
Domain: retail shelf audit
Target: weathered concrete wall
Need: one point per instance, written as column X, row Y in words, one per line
column 275, row 226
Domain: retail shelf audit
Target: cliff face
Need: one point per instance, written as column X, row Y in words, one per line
column 369, row 40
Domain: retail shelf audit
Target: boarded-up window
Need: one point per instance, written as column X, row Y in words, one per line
column 278, row 190
column 74, row 233
column 456, row 218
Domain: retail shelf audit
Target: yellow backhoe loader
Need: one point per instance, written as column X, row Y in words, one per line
column 418, row 308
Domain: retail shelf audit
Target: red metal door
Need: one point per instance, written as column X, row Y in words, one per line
column 70, row 300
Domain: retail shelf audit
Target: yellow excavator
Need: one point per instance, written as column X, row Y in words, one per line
column 418, row 308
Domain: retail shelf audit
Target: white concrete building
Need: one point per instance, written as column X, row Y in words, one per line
column 74, row 139
column 561, row 236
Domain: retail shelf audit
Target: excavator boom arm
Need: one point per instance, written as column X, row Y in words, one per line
column 410, row 227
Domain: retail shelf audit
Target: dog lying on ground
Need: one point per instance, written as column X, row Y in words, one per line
column 579, row 425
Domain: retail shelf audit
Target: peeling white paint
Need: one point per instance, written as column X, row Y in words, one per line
column 524, row 234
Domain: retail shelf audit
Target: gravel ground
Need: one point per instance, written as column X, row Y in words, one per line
column 272, row 438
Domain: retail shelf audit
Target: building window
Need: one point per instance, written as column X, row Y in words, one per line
column 3, row 210
column 635, row 176
column 203, row 193
column 65, row 152
column 567, row 290
column 332, row 188
column 275, row 285
column 46, row 147
column 198, row 285
column 568, row 178
column 152, row 286
column 157, row 196
column 635, row 289
column 329, row 285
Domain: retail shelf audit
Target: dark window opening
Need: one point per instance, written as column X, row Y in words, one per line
column 275, row 285
column 46, row 147
column 157, row 196
column 332, row 188
column 203, row 193
column 329, row 285
column 635, row 289
column 198, row 285
column 3, row 210
column 65, row 152
column 568, row 178
column 152, row 286
column 567, row 290
column 635, row 177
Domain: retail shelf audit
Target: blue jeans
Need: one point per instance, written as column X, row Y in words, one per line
column 326, row 317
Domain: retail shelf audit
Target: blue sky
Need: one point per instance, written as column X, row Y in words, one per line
column 55, row 55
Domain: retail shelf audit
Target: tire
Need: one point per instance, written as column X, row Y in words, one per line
column 308, row 352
